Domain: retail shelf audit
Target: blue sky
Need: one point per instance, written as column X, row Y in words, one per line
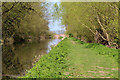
column 55, row 25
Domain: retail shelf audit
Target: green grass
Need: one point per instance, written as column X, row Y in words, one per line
column 52, row 64
column 86, row 62
column 72, row 58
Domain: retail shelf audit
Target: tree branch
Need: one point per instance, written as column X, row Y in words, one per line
column 9, row 9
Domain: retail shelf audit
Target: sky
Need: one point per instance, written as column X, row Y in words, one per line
column 55, row 25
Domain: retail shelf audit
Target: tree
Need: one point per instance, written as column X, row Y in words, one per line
column 23, row 20
column 92, row 22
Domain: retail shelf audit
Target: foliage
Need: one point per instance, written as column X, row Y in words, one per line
column 23, row 20
column 92, row 22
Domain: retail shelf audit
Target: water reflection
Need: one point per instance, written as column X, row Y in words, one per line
column 20, row 57
column 52, row 43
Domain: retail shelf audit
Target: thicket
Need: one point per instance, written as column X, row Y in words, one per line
column 21, row 21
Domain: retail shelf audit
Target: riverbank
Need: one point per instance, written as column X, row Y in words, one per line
column 27, row 39
column 72, row 58
column 22, row 62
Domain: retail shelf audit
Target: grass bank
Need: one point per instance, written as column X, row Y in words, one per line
column 72, row 58
column 52, row 64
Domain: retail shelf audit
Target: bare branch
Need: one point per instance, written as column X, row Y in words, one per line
column 88, row 28
column 105, row 32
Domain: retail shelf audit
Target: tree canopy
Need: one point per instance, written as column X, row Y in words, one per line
column 92, row 22
column 23, row 20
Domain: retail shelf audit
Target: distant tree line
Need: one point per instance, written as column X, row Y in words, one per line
column 23, row 20
column 92, row 22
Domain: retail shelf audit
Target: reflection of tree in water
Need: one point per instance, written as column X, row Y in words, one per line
column 20, row 57
column 10, row 63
